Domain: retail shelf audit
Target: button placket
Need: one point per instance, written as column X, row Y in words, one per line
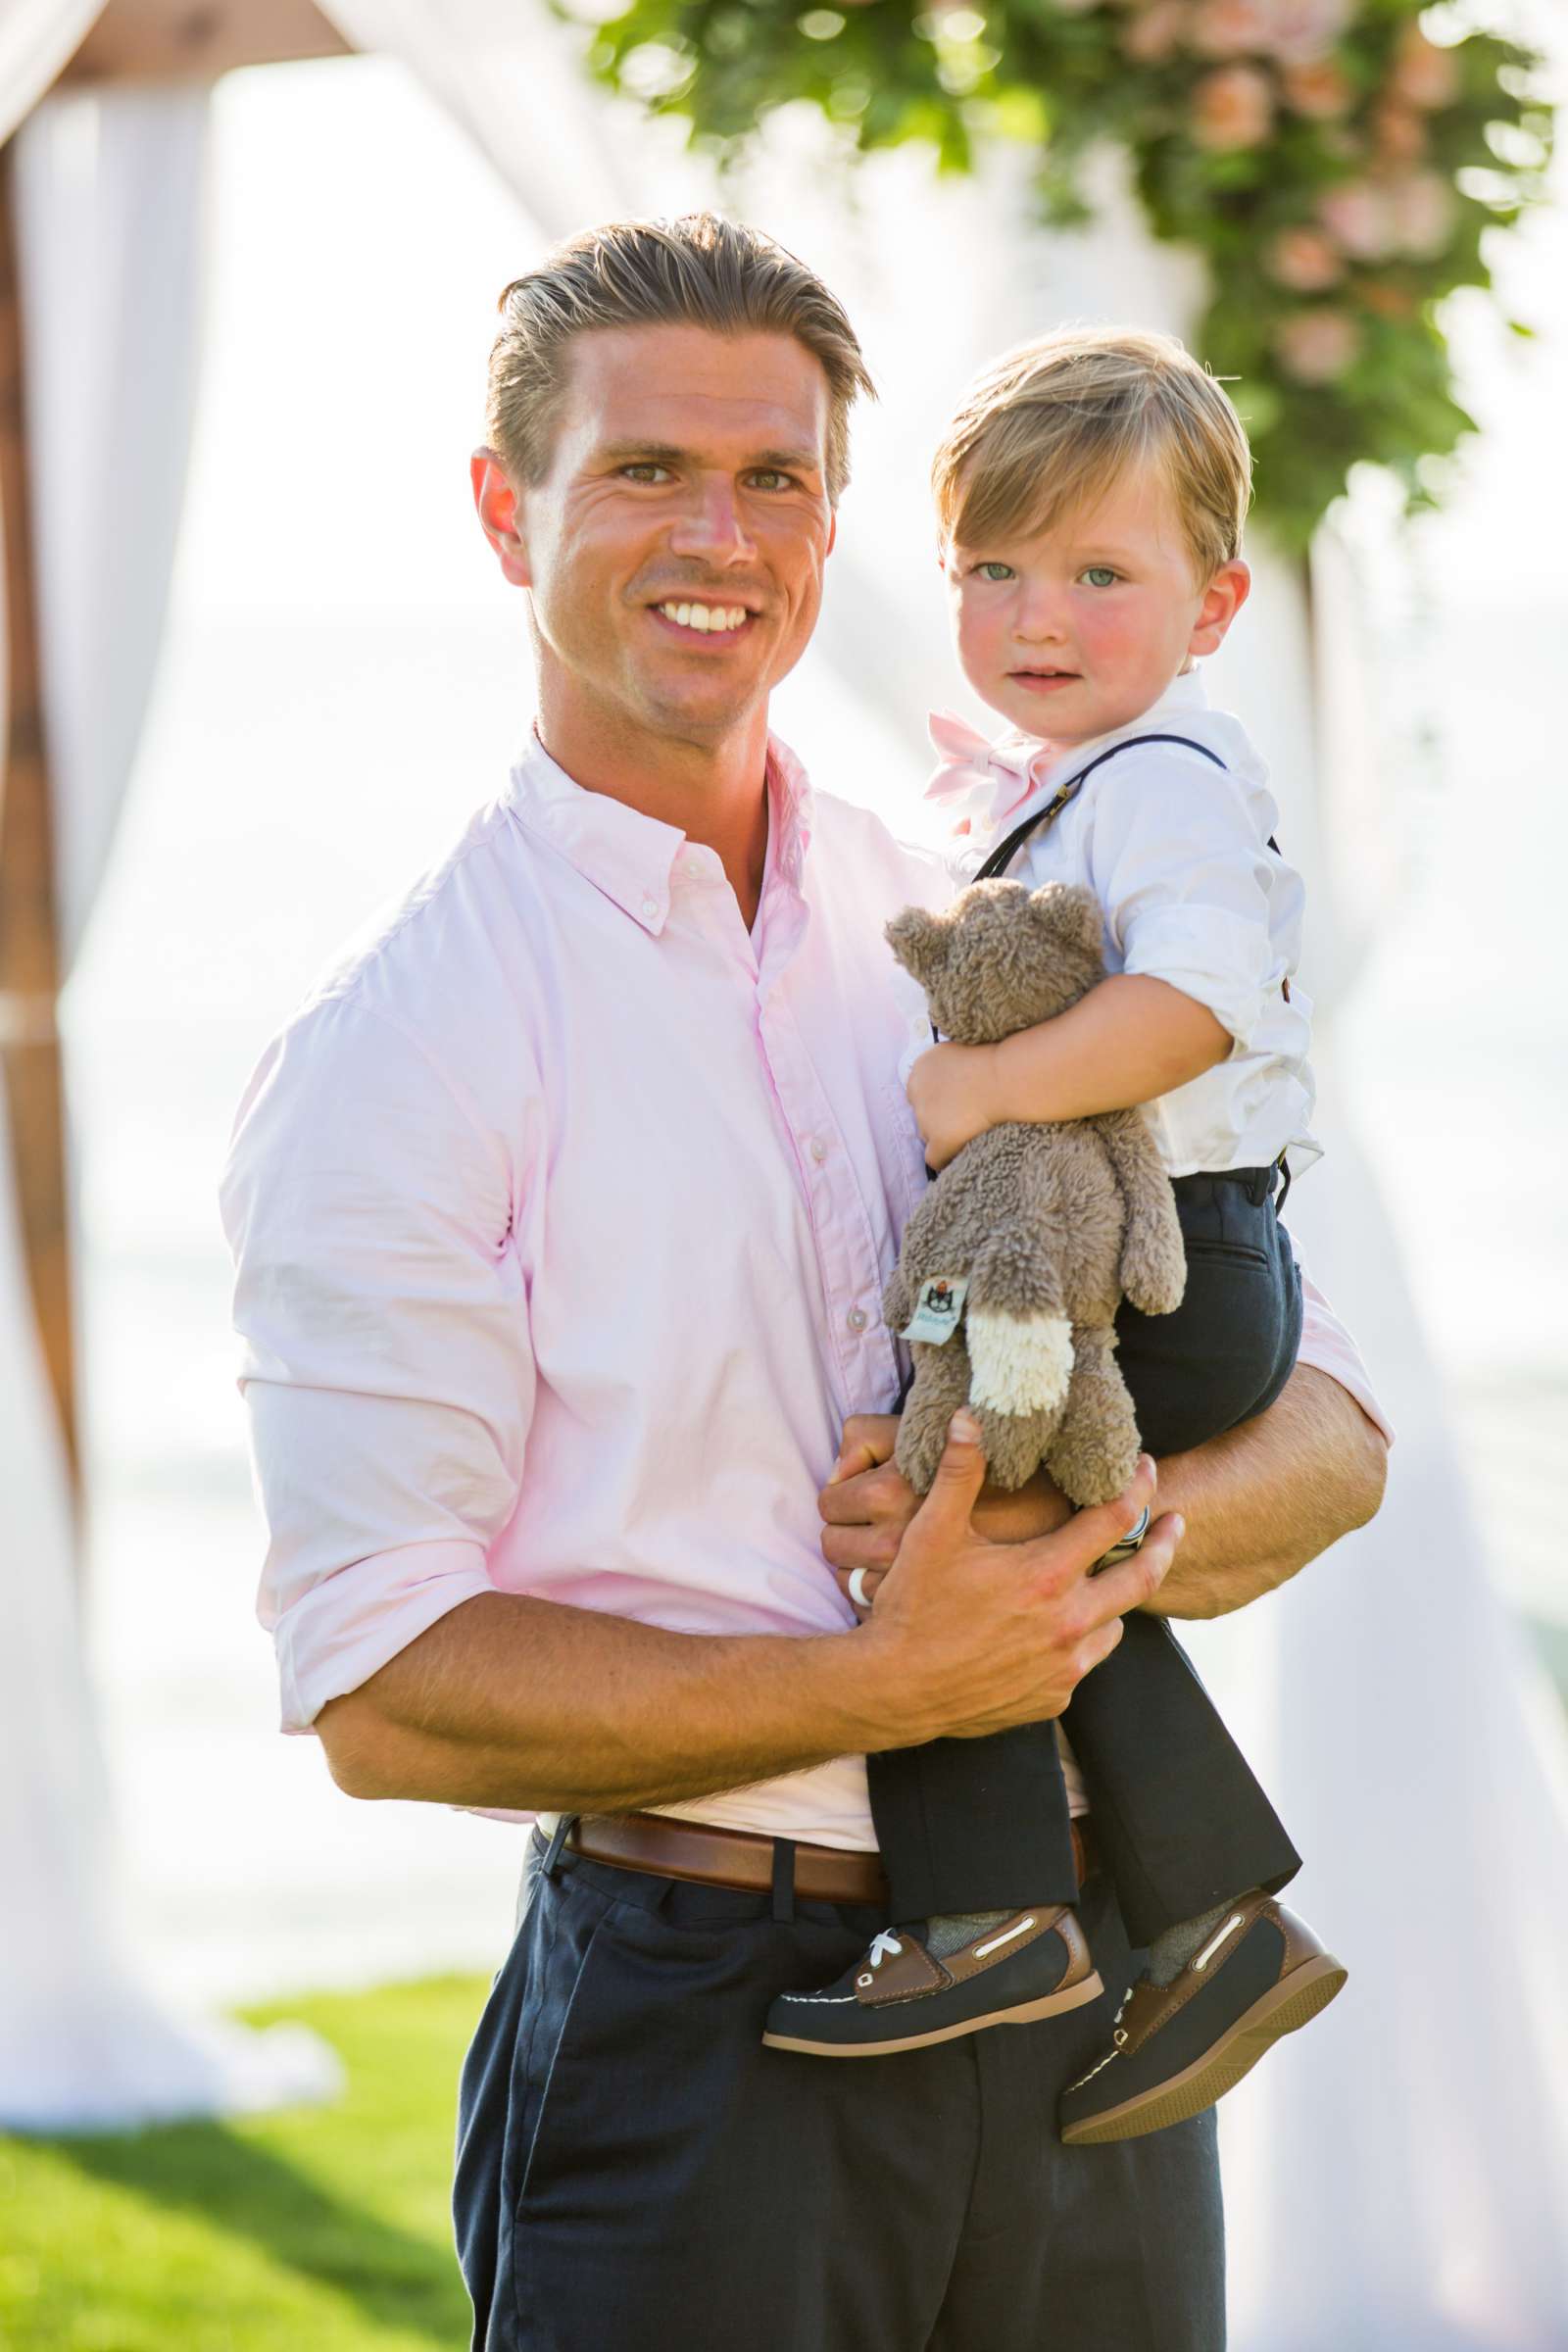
column 841, row 1232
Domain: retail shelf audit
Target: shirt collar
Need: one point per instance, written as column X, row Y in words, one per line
column 988, row 783
column 632, row 858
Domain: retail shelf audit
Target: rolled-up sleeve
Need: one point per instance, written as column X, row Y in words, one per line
column 1327, row 1346
column 1176, row 861
column 386, row 1363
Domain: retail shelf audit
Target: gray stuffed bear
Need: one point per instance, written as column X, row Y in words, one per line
column 1015, row 1261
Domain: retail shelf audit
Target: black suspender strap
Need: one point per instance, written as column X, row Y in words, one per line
column 1003, row 855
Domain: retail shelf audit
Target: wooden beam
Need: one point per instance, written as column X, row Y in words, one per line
column 29, row 946
column 196, row 40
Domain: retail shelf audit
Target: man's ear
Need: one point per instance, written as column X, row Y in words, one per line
column 920, row 941
column 1227, row 592
column 496, row 504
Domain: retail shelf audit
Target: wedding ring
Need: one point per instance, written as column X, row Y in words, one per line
column 857, row 1592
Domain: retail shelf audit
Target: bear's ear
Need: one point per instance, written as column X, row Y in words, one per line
column 920, row 941
column 1066, row 911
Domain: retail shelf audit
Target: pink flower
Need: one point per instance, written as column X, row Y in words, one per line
column 1360, row 218
column 1301, row 31
column 1424, row 76
column 1424, row 212
column 1232, row 109
column 1304, row 260
column 1317, row 346
column 1319, row 88
column 1386, row 302
column 1232, row 28
column 1150, row 36
column 1401, row 136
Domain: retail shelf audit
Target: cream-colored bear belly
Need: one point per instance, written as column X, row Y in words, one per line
column 1019, row 1363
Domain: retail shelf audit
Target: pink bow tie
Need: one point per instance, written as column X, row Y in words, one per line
column 984, row 782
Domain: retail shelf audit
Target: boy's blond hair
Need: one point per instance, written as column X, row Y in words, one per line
column 1050, row 426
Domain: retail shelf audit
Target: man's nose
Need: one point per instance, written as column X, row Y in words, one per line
column 711, row 526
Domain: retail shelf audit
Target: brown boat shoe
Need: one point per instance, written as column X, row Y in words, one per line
column 1177, row 2048
column 900, row 1996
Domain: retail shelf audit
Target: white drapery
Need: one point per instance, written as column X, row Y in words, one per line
column 37, row 40
column 108, row 219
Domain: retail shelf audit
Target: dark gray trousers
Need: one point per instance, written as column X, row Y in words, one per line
column 636, row 2170
column 1181, row 1823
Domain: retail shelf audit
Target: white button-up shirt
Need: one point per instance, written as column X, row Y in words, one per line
column 1176, row 850
column 562, row 1214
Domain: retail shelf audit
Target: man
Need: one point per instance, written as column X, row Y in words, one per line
column 561, row 1215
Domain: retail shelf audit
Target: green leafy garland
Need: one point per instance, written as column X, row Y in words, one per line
column 1336, row 162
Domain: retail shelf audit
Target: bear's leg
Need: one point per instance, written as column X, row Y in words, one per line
column 940, row 1385
column 1094, row 1451
column 1016, row 1323
column 1014, row 1445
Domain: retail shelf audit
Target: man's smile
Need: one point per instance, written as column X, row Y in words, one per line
column 724, row 622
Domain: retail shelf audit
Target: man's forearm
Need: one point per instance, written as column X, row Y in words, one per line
column 619, row 1716
column 1266, row 1498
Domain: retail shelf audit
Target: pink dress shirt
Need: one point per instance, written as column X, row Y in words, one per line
column 561, row 1214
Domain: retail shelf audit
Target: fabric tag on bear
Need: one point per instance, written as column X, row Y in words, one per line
column 937, row 1311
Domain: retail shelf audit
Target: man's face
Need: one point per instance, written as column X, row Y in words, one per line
column 674, row 549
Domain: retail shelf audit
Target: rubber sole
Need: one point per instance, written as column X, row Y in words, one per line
column 1054, row 2004
column 1293, row 2002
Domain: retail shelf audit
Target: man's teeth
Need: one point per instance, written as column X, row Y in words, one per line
column 705, row 616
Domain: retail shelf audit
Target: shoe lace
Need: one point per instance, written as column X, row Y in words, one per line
column 886, row 1946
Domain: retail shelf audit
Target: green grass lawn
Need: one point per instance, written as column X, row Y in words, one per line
column 323, row 2229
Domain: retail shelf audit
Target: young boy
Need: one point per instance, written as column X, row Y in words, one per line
column 1091, row 494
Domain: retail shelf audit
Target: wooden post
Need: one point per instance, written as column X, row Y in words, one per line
column 29, row 941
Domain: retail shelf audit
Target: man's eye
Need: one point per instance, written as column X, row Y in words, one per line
column 646, row 470
column 1100, row 575
column 995, row 572
column 768, row 477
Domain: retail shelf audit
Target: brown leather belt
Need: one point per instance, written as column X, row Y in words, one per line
column 700, row 1851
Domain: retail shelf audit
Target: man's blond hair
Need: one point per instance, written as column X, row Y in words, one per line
column 700, row 271
column 1050, row 426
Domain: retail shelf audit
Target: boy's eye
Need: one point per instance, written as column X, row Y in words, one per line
column 1100, row 575
column 995, row 572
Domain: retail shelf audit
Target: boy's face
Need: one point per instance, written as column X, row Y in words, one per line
column 1072, row 631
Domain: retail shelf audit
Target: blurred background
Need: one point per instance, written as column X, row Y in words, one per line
column 340, row 678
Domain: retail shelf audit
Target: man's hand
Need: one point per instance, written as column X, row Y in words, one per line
column 1258, row 1502
column 949, row 1093
column 867, row 1504
column 978, row 1636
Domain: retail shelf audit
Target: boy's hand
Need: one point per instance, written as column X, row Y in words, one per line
column 949, row 1094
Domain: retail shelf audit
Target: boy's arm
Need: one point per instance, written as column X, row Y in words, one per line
column 1129, row 1039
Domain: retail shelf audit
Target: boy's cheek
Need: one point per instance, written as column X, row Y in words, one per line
column 978, row 639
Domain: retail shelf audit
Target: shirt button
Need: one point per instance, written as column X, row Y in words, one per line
column 819, row 1150
column 857, row 1318
column 651, row 907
